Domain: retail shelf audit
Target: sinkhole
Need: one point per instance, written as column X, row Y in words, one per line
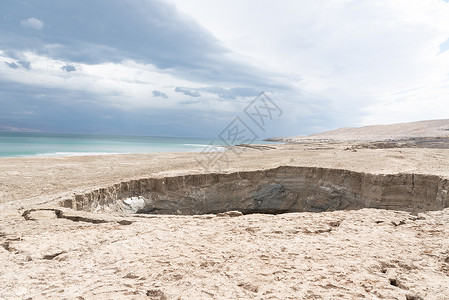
column 271, row 191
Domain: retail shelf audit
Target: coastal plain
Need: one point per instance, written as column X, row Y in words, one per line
column 51, row 251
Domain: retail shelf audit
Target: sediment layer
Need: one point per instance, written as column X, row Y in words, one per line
column 278, row 190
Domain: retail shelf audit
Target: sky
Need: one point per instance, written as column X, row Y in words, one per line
column 191, row 67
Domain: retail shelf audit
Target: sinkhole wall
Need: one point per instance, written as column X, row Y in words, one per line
column 279, row 190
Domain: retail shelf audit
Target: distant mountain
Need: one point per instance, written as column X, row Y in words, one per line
column 420, row 129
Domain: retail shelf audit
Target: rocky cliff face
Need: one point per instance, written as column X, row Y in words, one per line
column 283, row 189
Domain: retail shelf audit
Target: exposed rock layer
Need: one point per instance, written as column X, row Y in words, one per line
column 279, row 190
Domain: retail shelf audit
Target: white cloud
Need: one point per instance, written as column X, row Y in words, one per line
column 425, row 102
column 127, row 85
column 359, row 55
column 331, row 62
column 32, row 23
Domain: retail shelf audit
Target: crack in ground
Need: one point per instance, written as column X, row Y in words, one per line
column 51, row 256
column 61, row 215
column 5, row 245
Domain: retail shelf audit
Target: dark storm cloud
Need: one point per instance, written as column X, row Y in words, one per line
column 55, row 110
column 111, row 31
column 232, row 93
column 12, row 65
column 68, row 68
column 222, row 93
column 187, row 92
column 157, row 93
column 25, row 64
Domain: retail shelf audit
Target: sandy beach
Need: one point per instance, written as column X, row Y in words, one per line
column 49, row 251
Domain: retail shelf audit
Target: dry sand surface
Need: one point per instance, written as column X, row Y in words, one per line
column 359, row 254
column 24, row 178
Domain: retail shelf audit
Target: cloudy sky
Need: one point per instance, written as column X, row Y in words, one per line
column 189, row 67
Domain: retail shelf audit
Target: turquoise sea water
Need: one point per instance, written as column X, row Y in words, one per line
column 24, row 144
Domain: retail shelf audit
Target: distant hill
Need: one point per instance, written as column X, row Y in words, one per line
column 399, row 131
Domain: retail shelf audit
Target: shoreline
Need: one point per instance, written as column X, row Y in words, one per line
column 47, row 250
column 36, row 176
column 49, row 145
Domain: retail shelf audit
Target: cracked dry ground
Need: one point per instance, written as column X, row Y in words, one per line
column 369, row 253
